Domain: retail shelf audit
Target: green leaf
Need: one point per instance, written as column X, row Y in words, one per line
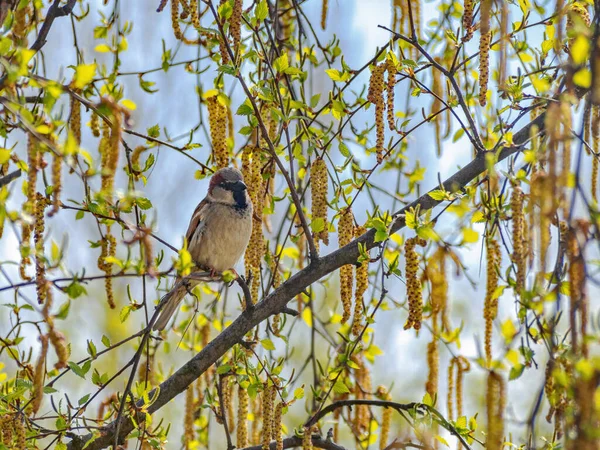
column 143, row 203
column 124, row 314
column 80, row 370
column 105, row 341
column 299, row 393
column 91, row 349
column 282, row 63
column 340, row 387
column 223, row 369
column 267, row 344
column 262, row 10
column 153, row 131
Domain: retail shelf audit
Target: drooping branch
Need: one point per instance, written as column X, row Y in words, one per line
column 276, row 302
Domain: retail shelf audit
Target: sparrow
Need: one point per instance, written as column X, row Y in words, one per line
column 218, row 233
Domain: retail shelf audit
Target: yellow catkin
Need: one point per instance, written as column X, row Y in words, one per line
column 450, row 390
column 362, row 390
column 95, row 125
column 235, row 24
column 485, row 14
column 319, row 185
column 392, row 72
column 242, row 418
column 491, row 301
column 112, row 148
column 436, row 106
column 277, row 431
column 56, row 182
column 595, row 144
column 362, row 284
column 484, row 66
column 565, row 170
column 375, row 96
column 33, row 163
column 257, row 417
column 467, row 21
column 436, row 274
column 20, row 434
column 19, row 28
column 386, row 418
column 251, row 170
column 38, row 239
column 108, row 247
column 416, row 10
column 414, row 289
column 176, row 26
column 496, row 399
column 519, row 255
column 307, row 439
column 6, row 430
column 75, row 119
column 188, row 418
column 504, row 22
column 228, row 405
column 268, row 398
column 38, row 377
column 345, row 232
column 433, row 363
column 463, row 367
column 58, row 341
column 146, row 371
column 194, row 16
column 324, row 10
column 217, row 117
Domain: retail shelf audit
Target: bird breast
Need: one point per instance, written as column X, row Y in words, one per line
column 222, row 238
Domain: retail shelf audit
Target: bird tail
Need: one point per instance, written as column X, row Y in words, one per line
column 171, row 302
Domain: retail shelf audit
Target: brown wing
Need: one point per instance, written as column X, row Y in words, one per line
column 197, row 221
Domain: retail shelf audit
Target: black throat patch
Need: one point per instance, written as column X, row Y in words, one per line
column 240, row 199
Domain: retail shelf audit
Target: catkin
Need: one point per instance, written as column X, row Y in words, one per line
column 362, row 283
column 324, row 10
column 58, row 341
column 33, row 165
column 595, row 132
column 362, row 389
column 188, row 418
column 433, row 363
column 108, row 246
column 235, row 24
column 277, row 431
column 38, row 376
column 176, row 27
column 6, row 430
column 491, row 301
column 318, row 181
column 75, row 119
column 38, row 239
column 484, row 65
column 268, row 398
column 345, row 231
column 518, row 225
column 19, row 28
column 251, row 172
column 436, row 106
column 20, row 434
column 386, row 417
column 95, row 125
column 375, row 96
column 307, row 439
column 414, row 289
column 496, row 399
column 217, row 117
column 467, row 21
column 392, row 72
column 242, row 418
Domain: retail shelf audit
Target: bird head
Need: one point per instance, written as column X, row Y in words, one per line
column 227, row 186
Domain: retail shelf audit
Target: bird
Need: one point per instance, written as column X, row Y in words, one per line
column 217, row 236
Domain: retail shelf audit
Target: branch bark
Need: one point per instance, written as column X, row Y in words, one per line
column 276, row 302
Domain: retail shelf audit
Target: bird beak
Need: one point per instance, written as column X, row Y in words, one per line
column 238, row 186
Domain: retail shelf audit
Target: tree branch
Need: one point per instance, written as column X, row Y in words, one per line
column 278, row 299
column 8, row 178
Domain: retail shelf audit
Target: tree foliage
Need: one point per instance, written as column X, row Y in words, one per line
column 337, row 157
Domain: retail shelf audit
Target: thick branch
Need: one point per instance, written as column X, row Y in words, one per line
column 8, row 178
column 53, row 12
column 295, row 441
column 278, row 299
